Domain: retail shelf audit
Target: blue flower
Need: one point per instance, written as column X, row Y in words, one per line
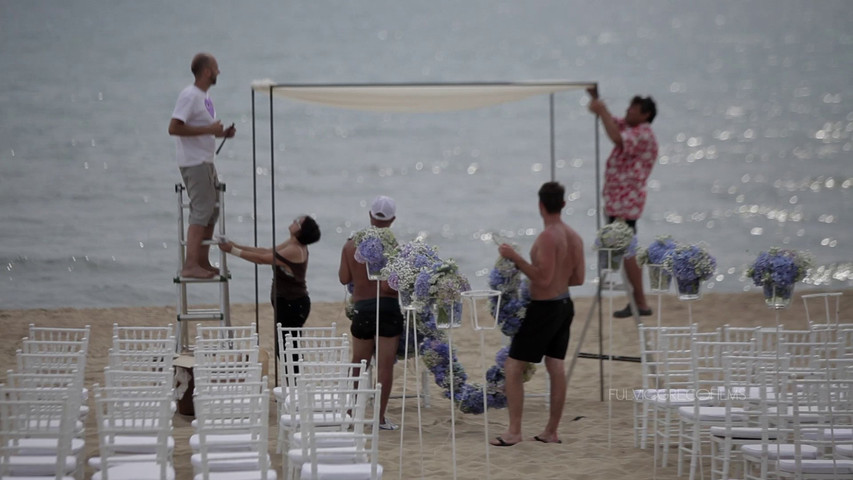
column 690, row 263
column 780, row 267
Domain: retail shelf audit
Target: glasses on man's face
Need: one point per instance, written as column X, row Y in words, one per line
column 298, row 221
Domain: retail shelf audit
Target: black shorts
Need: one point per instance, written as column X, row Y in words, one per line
column 364, row 320
column 290, row 314
column 545, row 331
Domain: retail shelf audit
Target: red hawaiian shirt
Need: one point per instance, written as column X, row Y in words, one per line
column 628, row 168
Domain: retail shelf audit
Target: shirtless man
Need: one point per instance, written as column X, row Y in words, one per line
column 556, row 263
column 382, row 215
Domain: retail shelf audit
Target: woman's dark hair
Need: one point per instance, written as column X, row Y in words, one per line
column 309, row 231
column 647, row 105
column 552, row 195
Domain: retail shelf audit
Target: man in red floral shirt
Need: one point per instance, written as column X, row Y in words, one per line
column 635, row 151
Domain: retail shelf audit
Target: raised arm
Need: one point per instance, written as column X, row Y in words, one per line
column 598, row 107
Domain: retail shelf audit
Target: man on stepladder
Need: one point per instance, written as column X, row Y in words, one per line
column 195, row 127
column 635, row 151
column 556, row 263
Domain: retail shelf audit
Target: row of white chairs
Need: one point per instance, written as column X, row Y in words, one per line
column 231, row 403
column 135, row 405
column 705, row 385
column 43, row 406
column 328, row 407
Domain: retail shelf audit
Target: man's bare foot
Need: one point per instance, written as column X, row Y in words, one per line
column 196, row 272
column 505, row 440
column 211, row 268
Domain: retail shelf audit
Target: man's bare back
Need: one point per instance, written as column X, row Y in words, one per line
column 559, row 244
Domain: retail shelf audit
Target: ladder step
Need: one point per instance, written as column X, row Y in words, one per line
column 201, row 315
column 215, row 279
column 211, row 241
column 186, row 205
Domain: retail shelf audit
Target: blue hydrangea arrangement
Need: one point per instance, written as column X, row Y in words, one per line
column 374, row 246
column 778, row 269
column 690, row 263
column 657, row 251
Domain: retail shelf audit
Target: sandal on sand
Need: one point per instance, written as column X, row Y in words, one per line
column 501, row 442
column 626, row 312
column 540, row 439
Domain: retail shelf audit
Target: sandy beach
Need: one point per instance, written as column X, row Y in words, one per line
column 597, row 437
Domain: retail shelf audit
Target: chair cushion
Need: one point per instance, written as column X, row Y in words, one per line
column 827, row 434
column 823, row 466
column 228, row 461
column 845, row 450
column 332, row 455
column 223, row 442
column 95, row 462
column 359, row 471
column 136, row 471
column 247, row 475
column 712, row 414
column 37, row 465
column 320, row 419
column 775, row 451
column 46, row 446
column 744, row 433
column 325, row 439
column 139, row 444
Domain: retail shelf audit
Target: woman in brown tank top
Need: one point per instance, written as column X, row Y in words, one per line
column 289, row 293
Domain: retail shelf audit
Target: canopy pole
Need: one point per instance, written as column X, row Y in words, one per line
column 272, row 210
column 553, row 158
column 255, row 207
column 598, row 290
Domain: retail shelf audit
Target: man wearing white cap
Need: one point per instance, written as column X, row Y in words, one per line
column 382, row 213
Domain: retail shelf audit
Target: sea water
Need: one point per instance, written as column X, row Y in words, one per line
column 755, row 126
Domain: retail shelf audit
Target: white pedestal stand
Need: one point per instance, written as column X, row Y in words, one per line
column 474, row 296
column 689, row 297
column 449, row 327
column 611, row 263
column 375, row 364
column 659, row 286
column 411, row 318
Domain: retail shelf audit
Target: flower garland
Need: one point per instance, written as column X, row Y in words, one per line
column 407, row 261
column 438, row 281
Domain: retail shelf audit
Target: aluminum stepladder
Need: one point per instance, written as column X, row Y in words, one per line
column 186, row 312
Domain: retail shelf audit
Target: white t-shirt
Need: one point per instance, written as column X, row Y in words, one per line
column 195, row 108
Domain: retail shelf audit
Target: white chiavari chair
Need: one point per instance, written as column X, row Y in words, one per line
column 713, row 401
column 359, row 461
column 232, row 411
column 126, row 412
column 823, row 407
column 37, row 434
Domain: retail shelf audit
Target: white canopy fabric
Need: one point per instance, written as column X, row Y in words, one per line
column 415, row 98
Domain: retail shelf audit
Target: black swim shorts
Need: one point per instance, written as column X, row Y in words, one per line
column 545, row 331
column 390, row 318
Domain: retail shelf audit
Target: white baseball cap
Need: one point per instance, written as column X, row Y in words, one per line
column 383, row 208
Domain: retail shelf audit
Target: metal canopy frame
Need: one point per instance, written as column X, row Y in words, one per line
column 271, row 87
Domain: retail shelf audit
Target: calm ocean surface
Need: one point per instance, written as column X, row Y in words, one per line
column 755, row 125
